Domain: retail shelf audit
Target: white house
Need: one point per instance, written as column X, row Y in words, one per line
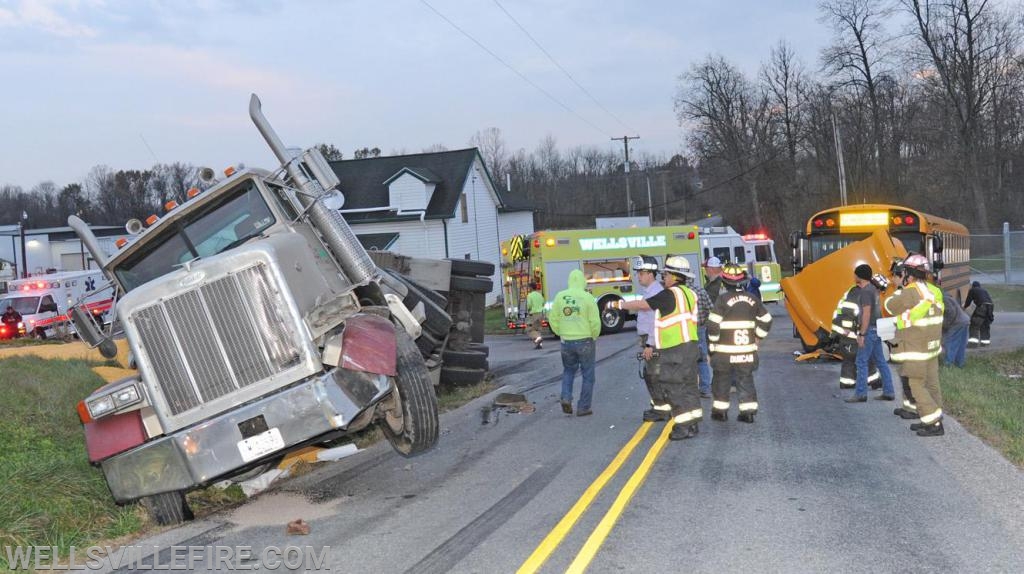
column 435, row 205
column 50, row 250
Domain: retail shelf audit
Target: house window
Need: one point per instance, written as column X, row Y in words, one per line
column 465, row 209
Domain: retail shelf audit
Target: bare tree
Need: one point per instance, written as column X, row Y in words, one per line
column 859, row 56
column 492, row 147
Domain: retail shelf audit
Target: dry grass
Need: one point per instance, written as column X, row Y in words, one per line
column 987, row 397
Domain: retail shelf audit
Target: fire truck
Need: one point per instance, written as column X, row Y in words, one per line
column 546, row 258
column 755, row 250
column 43, row 301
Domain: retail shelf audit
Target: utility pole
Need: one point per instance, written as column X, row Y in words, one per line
column 840, row 164
column 625, row 142
column 650, row 203
column 24, row 259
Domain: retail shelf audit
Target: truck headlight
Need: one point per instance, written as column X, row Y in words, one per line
column 101, row 406
column 126, row 396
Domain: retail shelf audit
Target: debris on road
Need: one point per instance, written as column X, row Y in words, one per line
column 298, row 527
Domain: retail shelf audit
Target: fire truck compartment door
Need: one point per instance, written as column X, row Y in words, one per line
column 556, row 276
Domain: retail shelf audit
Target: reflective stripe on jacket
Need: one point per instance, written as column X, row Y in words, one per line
column 679, row 326
column 918, row 310
column 737, row 323
column 846, row 318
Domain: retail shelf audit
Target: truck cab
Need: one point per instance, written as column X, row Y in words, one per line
column 259, row 325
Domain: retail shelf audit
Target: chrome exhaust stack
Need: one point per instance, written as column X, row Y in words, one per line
column 311, row 173
column 83, row 232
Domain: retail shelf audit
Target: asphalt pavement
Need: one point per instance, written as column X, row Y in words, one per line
column 814, row 485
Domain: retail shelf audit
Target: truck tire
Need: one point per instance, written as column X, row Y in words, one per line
column 611, row 319
column 472, row 284
column 461, row 376
column 427, row 343
column 472, row 268
column 479, row 348
column 418, row 402
column 167, row 508
column 468, row 359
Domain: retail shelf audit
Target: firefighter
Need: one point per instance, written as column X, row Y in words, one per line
column 918, row 310
column 845, row 326
column 672, row 359
column 981, row 319
column 908, row 410
column 646, row 269
column 736, row 324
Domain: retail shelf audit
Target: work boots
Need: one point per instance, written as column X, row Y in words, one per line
column 654, row 415
column 904, row 413
column 720, row 415
column 680, row 432
column 931, row 430
column 746, row 417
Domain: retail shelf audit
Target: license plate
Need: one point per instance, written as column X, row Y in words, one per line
column 260, row 445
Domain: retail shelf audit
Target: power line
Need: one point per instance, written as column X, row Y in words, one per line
column 564, row 71
column 514, row 70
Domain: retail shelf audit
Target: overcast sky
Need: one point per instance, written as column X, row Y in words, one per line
column 87, row 82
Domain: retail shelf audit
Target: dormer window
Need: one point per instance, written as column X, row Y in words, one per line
column 411, row 188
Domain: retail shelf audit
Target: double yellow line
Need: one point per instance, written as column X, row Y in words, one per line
column 597, row 537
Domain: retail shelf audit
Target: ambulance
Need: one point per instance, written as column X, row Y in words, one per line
column 756, row 251
column 43, row 300
column 547, row 257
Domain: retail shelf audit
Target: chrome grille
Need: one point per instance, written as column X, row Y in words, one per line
column 217, row 338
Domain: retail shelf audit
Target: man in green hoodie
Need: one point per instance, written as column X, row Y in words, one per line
column 575, row 318
column 535, row 317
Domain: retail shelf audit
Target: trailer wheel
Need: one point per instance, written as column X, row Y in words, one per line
column 461, row 376
column 411, row 424
column 471, row 268
column 611, row 319
column 472, row 284
column 468, row 359
column 167, row 508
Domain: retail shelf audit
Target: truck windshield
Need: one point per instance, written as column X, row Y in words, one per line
column 23, row 305
column 239, row 216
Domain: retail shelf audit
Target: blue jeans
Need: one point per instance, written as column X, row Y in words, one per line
column 955, row 344
column 703, row 366
column 578, row 355
column 872, row 349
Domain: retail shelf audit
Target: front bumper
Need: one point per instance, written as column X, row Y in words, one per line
column 209, row 450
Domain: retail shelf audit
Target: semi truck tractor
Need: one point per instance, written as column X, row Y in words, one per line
column 258, row 325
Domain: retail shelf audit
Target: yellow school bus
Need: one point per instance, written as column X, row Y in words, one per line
column 811, row 297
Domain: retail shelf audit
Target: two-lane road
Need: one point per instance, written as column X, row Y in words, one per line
column 814, row 485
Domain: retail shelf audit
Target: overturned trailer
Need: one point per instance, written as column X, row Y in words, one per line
column 258, row 324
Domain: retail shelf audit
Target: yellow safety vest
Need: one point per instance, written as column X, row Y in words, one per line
column 679, row 326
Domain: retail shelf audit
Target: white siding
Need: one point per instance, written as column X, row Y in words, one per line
column 415, row 239
column 410, row 193
column 479, row 236
column 514, row 223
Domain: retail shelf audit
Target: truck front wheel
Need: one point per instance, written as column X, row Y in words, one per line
column 410, row 416
column 167, row 508
column 611, row 319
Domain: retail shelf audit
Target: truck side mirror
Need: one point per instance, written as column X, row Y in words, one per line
column 90, row 332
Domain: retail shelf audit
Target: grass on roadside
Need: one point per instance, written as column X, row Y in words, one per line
column 51, row 495
column 494, row 321
column 987, row 397
column 1006, row 297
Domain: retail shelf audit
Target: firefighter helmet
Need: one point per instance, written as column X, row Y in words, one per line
column 644, row 263
column 734, row 275
column 917, row 265
column 678, row 265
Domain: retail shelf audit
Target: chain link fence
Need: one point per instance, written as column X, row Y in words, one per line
column 998, row 258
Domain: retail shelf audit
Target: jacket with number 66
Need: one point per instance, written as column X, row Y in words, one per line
column 736, row 324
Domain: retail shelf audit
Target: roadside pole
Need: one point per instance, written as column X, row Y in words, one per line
column 1006, row 252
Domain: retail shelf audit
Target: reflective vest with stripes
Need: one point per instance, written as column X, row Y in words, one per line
column 679, row 326
column 919, row 323
column 846, row 318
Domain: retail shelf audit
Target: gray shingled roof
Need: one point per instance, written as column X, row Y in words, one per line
column 363, row 182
